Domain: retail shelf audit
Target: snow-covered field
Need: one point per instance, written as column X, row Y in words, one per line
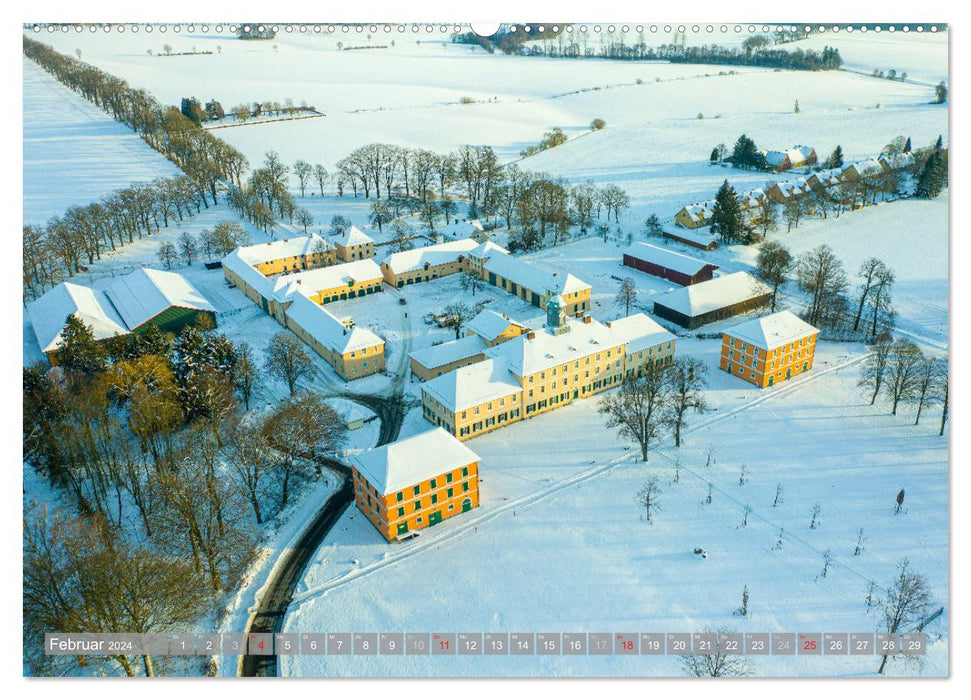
column 559, row 544
column 409, row 93
column 74, row 153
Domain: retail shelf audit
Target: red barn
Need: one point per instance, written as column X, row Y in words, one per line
column 676, row 267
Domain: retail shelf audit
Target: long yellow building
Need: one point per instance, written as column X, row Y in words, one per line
column 289, row 255
column 295, row 300
column 770, row 349
column 493, row 264
column 416, row 482
column 566, row 360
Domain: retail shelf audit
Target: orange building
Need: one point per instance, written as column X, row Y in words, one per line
column 415, row 482
column 770, row 349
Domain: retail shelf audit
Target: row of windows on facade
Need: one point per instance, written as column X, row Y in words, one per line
column 416, row 490
column 741, row 369
column 373, row 289
column 756, row 350
column 449, row 493
column 772, row 363
column 375, row 516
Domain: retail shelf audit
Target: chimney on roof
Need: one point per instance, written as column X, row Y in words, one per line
column 586, row 319
column 531, row 335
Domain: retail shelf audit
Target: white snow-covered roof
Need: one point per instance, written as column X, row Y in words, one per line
column 349, row 411
column 321, row 324
column 700, row 211
column 790, row 188
column 437, row 254
column 797, row 156
column 469, row 386
column 524, row 355
column 249, row 274
column 484, row 250
column 774, row 158
column 701, row 235
column 284, row 248
column 447, row 353
column 48, row 315
column 533, row 278
column 750, row 199
column 309, row 282
column 412, row 460
column 828, row 178
column 772, row 331
column 897, row 161
column 489, row 324
column 145, row 293
column 670, row 259
column 866, row 167
column 640, row 332
column 354, row 236
column 716, row 293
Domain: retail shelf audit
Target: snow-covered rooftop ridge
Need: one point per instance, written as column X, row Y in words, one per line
column 327, row 328
column 670, row 259
column 772, row 331
column 437, row 254
column 872, row 166
column 145, row 293
column 525, row 355
column 284, row 248
column 484, row 250
column 309, row 282
column 716, row 293
column 640, row 332
column 249, row 274
column 700, row 210
column 49, row 314
column 797, row 155
column 788, row 188
column 412, row 460
column 469, row 386
column 489, row 324
column 829, row 177
column 354, row 236
column 533, row 278
column 446, row 353
column 698, row 235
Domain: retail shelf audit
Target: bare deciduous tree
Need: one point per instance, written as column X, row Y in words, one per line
column 455, row 316
column 717, row 664
column 905, row 604
column 874, row 369
column 626, row 295
column 688, row 381
column 288, row 360
column 903, row 367
column 773, row 265
column 820, row 274
column 637, row 409
column 647, row 497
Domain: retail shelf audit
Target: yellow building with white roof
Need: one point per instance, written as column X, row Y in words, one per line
column 415, row 482
column 545, row 369
column 770, row 349
column 354, row 245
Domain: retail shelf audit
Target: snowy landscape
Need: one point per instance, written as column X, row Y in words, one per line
column 794, row 492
